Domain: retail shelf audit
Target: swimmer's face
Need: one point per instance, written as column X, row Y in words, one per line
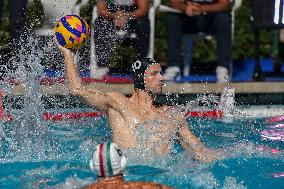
column 153, row 79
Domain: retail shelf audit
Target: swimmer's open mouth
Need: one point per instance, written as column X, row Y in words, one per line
column 161, row 84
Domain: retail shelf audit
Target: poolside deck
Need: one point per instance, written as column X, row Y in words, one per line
column 171, row 88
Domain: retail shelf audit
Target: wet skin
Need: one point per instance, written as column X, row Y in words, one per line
column 126, row 114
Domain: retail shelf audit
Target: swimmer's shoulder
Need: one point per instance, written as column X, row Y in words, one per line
column 164, row 108
column 133, row 185
column 103, row 186
column 117, row 96
column 150, row 185
column 92, row 186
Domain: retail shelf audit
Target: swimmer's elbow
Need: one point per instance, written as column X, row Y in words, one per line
column 75, row 90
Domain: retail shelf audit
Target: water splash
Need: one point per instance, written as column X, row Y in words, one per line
column 225, row 104
column 155, row 144
column 231, row 183
column 26, row 138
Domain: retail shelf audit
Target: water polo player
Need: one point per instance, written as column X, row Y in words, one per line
column 126, row 114
column 109, row 163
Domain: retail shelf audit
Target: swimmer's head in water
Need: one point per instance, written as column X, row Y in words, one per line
column 139, row 69
column 108, row 160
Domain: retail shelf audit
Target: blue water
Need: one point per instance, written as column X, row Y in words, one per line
column 56, row 155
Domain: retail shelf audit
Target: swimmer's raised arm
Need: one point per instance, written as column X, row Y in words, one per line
column 194, row 146
column 95, row 97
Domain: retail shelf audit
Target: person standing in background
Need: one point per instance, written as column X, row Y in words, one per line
column 118, row 16
column 17, row 14
column 208, row 16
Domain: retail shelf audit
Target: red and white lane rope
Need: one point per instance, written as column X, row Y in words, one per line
column 275, row 119
column 77, row 115
column 214, row 114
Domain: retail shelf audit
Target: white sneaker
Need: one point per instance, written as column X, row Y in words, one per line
column 222, row 74
column 99, row 73
column 171, row 73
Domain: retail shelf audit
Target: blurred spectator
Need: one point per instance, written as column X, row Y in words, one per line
column 116, row 20
column 207, row 16
column 278, row 52
column 17, row 11
column 108, row 163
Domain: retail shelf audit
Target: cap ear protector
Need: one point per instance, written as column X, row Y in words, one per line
column 108, row 160
column 138, row 69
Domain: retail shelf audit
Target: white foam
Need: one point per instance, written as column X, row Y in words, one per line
column 75, row 182
column 205, row 180
column 232, row 183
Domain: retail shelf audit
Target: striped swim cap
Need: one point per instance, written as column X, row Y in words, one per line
column 108, row 160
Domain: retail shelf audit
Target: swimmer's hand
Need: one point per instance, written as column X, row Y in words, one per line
column 213, row 155
column 64, row 50
column 209, row 155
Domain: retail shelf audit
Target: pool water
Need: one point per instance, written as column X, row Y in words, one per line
column 56, row 155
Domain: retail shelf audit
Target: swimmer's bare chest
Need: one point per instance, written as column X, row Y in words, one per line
column 124, row 124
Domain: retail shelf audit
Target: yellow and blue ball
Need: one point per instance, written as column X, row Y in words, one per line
column 72, row 32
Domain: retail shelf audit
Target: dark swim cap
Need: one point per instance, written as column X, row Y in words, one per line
column 138, row 69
